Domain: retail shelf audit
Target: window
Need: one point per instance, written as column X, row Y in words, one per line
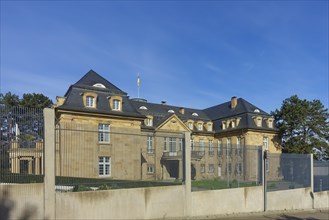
column 143, row 108
column 219, row 150
column 165, row 144
column 229, row 168
column 202, row 168
column 238, row 146
column 223, row 125
column 265, row 143
column 239, row 168
column 172, row 144
column 104, row 166
column 211, row 148
column 171, row 111
column 104, row 133
column 200, row 126
column 116, row 105
column 195, row 114
column 90, row 101
column 150, row 168
column 149, row 141
column 180, row 144
column 211, row 168
column 233, row 124
column 228, row 147
column 201, row 145
column 190, row 125
column 149, row 122
column 209, row 127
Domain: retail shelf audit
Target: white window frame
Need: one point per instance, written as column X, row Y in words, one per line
column 238, row 146
column 190, row 125
column 228, row 147
column 116, row 105
column 265, row 143
column 104, row 133
column 104, row 166
column 211, row 148
column 150, row 168
column 219, row 149
column 90, row 101
column 149, row 122
column 165, row 144
column 201, row 147
column 149, row 144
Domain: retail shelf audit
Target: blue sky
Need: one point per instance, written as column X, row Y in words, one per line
column 190, row 53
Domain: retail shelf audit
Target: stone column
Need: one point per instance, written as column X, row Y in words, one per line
column 49, row 164
column 188, row 182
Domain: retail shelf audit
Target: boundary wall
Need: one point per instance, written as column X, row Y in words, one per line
column 167, row 202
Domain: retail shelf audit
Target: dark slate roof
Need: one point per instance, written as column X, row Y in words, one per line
column 91, row 78
column 160, row 112
column 224, row 110
column 74, row 100
column 244, row 110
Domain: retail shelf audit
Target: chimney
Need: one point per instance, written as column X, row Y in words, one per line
column 182, row 111
column 163, row 102
column 234, row 102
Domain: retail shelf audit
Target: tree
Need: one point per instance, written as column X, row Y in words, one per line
column 9, row 99
column 303, row 125
column 35, row 100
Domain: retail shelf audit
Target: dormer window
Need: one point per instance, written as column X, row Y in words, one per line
column 258, row 121
column 89, row 99
column 269, row 122
column 143, row 108
column 149, row 121
column 223, row 125
column 195, row 114
column 200, row 126
column 116, row 105
column 209, row 127
column 171, row 111
column 100, row 85
column 233, row 124
column 190, row 125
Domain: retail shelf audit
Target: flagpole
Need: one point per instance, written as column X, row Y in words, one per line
column 138, row 85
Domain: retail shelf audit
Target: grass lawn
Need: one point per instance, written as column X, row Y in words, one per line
column 219, row 184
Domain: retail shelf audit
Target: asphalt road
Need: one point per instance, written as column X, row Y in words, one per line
column 296, row 215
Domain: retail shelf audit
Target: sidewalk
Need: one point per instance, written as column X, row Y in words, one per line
column 277, row 215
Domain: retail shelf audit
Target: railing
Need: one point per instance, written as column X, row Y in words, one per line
column 172, row 154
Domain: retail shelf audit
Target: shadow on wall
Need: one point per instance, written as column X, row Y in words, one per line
column 7, row 207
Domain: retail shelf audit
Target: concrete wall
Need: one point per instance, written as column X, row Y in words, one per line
column 292, row 199
column 140, row 203
column 20, row 200
column 227, row 201
column 321, row 200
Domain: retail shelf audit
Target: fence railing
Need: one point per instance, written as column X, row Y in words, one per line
column 21, row 139
column 288, row 171
column 321, row 175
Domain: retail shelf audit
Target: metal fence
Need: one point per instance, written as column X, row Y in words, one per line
column 215, row 166
column 21, row 153
column 321, row 175
column 288, row 171
column 100, row 156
